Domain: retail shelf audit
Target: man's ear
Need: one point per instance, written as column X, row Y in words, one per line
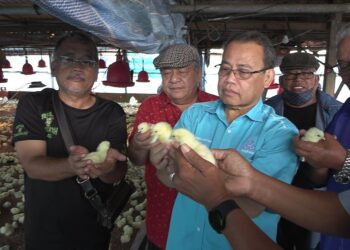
column 53, row 66
column 269, row 77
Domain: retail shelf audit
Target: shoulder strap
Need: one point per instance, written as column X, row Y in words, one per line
column 62, row 121
column 89, row 191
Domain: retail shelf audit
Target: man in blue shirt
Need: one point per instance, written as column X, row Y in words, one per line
column 241, row 121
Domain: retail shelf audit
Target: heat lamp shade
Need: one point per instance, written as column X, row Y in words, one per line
column 142, row 76
column 119, row 74
column 41, row 63
column 27, row 69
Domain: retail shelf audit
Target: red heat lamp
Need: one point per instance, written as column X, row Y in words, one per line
column 274, row 86
column 119, row 74
column 143, row 75
column 41, row 63
column 6, row 64
column 101, row 64
column 27, row 68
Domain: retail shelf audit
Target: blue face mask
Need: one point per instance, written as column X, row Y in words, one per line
column 297, row 99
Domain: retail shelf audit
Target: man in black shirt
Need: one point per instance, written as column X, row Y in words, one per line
column 57, row 215
column 304, row 104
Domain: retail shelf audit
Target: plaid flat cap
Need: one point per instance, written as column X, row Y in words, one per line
column 298, row 61
column 177, row 56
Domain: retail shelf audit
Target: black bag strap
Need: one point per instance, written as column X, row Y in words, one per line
column 89, row 191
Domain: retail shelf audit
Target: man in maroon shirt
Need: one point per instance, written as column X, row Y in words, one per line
column 180, row 67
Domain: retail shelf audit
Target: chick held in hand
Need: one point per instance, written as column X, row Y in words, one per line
column 161, row 131
column 183, row 136
column 312, row 135
column 100, row 154
column 144, row 127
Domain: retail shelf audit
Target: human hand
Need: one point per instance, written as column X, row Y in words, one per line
column 198, row 178
column 115, row 162
column 159, row 155
column 238, row 171
column 328, row 153
column 142, row 140
column 76, row 162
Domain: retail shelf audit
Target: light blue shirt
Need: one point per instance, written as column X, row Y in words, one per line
column 262, row 137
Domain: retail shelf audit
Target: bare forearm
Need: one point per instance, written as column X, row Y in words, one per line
column 250, row 207
column 243, row 234
column 314, row 210
column 48, row 168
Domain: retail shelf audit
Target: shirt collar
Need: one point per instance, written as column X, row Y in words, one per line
column 166, row 100
column 256, row 113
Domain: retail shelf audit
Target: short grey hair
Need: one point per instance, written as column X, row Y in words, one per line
column 342, row 33
column 259, row 38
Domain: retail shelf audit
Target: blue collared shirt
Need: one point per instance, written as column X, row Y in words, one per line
column 262, row 137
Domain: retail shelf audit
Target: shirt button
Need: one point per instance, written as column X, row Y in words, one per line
column 198, row 229
column 229, row 131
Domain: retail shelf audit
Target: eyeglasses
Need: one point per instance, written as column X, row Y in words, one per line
column 69, row 61
column 302, row 75
column 240, row 74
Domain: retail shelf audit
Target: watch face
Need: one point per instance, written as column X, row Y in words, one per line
column 216, row 220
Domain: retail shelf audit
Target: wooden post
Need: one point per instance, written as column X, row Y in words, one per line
column 331, row 56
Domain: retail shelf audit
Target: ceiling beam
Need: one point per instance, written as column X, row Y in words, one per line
column 230, row 8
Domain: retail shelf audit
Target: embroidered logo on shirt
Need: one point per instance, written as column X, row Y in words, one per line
column 249, row 146
column 20, row 131
column 50, row 130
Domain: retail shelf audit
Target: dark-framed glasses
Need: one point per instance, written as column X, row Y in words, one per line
column 69, row 61
column 241, row 74
column 302, row 75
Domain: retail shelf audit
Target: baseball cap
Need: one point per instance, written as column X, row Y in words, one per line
column 298, row 61
column 177, row 56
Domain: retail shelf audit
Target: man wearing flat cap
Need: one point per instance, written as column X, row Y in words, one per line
column 180, row 68
column 303, row 103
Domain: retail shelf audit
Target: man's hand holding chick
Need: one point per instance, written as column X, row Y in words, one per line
column 112, row 169
column 198, row 178
column 327, row 153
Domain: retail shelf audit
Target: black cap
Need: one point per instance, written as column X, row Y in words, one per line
column 298, row 61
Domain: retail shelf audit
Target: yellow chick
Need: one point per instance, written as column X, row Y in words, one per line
column 313, row 135
column 100, row 154
column 161, row 131
column 144, row 127
column 183, row 136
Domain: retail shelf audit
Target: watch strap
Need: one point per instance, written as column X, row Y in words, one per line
column 217, row 216
column 343, row 175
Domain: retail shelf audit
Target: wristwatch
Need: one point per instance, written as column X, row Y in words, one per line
column 343, row 175
column 217, row 216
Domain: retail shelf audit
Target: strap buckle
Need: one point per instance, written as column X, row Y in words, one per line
column 81, row 180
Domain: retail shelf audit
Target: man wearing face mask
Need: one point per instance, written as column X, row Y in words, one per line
column 303, row 103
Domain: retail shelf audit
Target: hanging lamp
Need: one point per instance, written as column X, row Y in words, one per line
column 6, row 64
column 101, row 64
column 118, row 73
column 41, row 63
column 143, row 75
column 27, row 68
